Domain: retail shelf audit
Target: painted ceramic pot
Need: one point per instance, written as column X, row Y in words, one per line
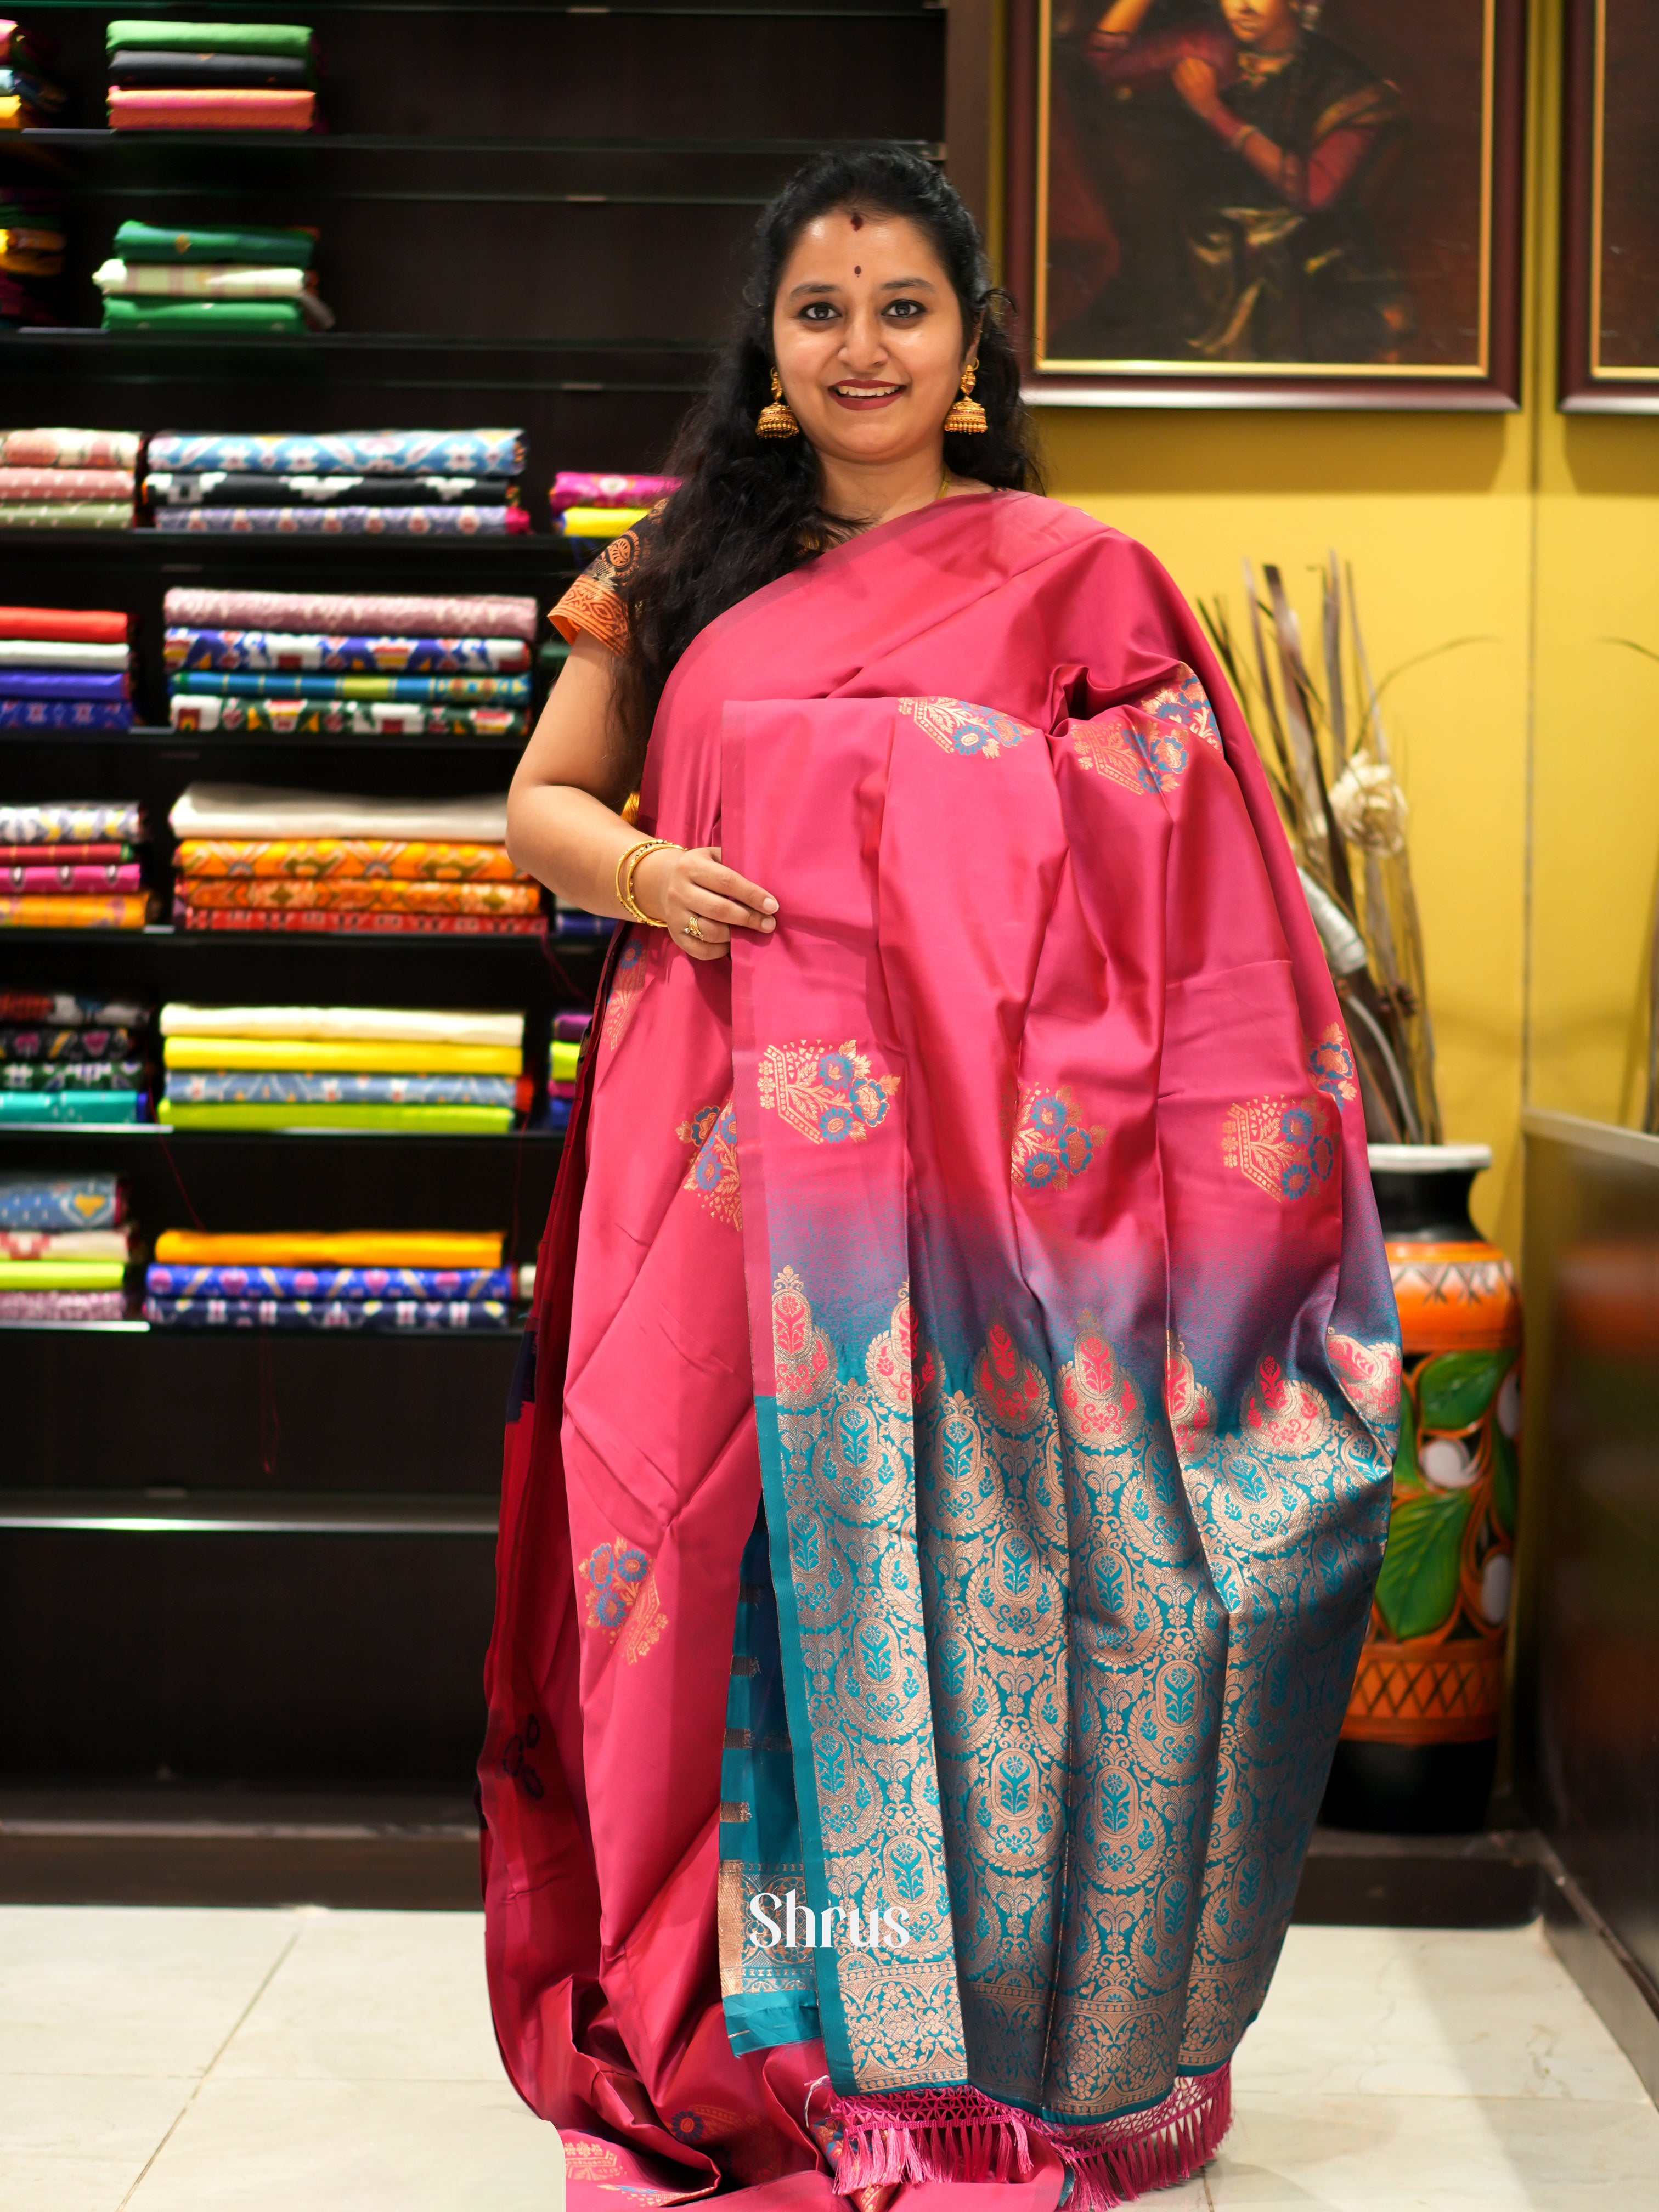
column 1420, row 1740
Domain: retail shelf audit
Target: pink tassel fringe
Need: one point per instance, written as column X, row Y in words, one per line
column 957, row 2135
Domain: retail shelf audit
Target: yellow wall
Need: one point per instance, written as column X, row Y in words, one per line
column 1530, row 760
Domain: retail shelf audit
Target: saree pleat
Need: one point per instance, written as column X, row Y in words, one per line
column 1003, row 1221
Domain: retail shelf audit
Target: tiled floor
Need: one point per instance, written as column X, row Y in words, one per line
column 182, row 2060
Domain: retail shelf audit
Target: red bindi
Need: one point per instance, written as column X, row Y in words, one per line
column 857, row 222
column 857, row 271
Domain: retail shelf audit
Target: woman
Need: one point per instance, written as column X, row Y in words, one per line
column 1273, row 257
column 963, row 1306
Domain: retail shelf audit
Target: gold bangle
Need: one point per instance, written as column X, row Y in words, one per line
column 626, row 867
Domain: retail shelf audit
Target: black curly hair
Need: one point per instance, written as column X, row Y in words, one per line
column 748, row 509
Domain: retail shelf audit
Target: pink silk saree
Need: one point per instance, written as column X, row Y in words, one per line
column 950, row 1459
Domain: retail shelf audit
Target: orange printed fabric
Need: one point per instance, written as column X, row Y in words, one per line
column 43, row 911
column 318, row 860
column 347, row 896
column 592, row 606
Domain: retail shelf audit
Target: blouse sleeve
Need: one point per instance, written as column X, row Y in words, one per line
column 592, row 606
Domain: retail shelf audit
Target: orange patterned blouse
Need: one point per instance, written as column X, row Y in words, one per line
column 591, row 605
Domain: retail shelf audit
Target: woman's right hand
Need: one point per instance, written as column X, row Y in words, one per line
column 678, row 887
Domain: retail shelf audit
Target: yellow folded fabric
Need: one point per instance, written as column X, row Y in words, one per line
column 342, row 1055
column 347, row 1248
column 563, row 1060
column 600, row 521
column 61, row 1274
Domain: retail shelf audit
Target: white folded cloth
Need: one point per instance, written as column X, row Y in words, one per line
column 251, row 810
column 42, row 653
column 398, row 1025
column 199, row 280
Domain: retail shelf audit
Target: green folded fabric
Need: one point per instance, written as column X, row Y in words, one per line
column 411, row 1121
column 20, row 1106
column 157, row 38
column 61, row 1274
column 146, row 313
column 66, row 515
column 150, row 241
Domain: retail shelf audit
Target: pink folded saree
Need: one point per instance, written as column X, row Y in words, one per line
column 134, row 110
column 949, row 1463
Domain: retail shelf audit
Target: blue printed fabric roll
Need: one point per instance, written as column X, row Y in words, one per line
column 285, row 1087
column 65, row 714
column 347, row 452
column 568, row 922
column 374, row 1315
column 499, row 690
column 278, row 651
column 64, row 683
column 424, row 1285
column 86, row 1201
column 19, row 1108
column 343, row 521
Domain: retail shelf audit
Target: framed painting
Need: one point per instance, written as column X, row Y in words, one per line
column 1610, row 218
column 1268, row 202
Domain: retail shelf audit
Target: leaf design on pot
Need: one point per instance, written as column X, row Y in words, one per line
column 1417, row 1586
column 1407, row 1475
column 1456, row 1388
column 1505, row 1475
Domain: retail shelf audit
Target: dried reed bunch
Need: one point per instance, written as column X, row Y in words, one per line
column 1345, row 813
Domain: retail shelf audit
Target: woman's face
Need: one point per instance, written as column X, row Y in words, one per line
column 1264, row 25
column 868, row 338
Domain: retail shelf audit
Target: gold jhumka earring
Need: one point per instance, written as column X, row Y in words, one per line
column 966, row 414
column 777, row 418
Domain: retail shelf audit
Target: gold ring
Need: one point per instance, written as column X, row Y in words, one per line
column 694, row 927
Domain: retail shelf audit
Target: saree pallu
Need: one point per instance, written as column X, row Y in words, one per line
column 1027, row 1157
column 345, row 521
column 280, row 651
column 292, row 717
column 348, row 614
column 345, row 452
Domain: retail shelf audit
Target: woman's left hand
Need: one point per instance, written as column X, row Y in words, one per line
column 1197, row 83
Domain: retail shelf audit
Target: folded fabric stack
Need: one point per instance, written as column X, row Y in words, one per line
column 452, row 666
column 369, row 1279
column 64, row 1248
column 53, row 859
column 570, row 920
column 564, row 1053
column 66, row 668
column 401, row 483
column 595, row 509
column 209, row 77
column 32, row 242
column 69, row 1059
column 29, row 97
column 200, row 282
column 249, row 858
column 420, row 1070
column 67, row 479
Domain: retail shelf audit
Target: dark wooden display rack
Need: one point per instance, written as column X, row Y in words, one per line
column 267, row 1557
